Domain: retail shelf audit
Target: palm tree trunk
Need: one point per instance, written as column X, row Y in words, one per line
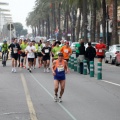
column 115, row 32
column 93, row 19
column 85, row 22
column 104, row 20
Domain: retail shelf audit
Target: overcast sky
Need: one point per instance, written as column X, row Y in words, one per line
column 19, row 9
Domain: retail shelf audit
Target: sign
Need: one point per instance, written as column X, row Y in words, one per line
column 10, row 26
column 69, row 35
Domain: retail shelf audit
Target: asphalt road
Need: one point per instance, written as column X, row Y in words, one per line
column 29, row 96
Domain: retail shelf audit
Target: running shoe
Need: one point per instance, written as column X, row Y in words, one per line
column 48, row 70
column 60, row 99
column 44, row 70
column 55, row 98
column 12, row 70
column 30, row 70
column 15, row 70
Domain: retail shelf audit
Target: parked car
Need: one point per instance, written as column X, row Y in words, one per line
column 110, row 55
column 73, row 46
column 92, row 43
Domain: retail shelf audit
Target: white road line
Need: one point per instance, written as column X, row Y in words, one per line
column 111, row 83
column 47, row 91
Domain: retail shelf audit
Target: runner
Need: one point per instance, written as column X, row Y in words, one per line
column 15, row 47
column 19, row 53
column 40, row 55
column 56, row 50
column 36, row 45
column 23, row 54
column 46, row 51
column 59, row 68
column 100, row 49
column 67, row 51
column 30, row 50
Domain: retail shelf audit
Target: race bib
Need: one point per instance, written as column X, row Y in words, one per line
column 60, row 68
column 46, row 51
column 100, row 50
column 66, row 50
column 39, row 49
column 15, row 50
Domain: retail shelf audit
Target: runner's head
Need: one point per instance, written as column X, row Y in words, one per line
column 67, row 43
column 5, row 41
column 15, row 40
column 25, row 41
column 30, row 43
column 33, row 42
column 57, row 43
column 60, row 56
column 100, row 41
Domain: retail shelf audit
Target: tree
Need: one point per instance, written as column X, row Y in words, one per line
column 24, row 32
column 18, row 27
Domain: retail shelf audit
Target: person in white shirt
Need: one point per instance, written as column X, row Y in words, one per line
column 30, row 50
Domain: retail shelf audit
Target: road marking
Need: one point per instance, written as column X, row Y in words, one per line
column 28, row 99
column 111, row 83
column 73, row 118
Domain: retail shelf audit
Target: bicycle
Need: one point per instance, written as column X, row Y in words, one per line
column 4, row 58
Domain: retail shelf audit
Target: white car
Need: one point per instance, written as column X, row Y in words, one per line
column 110, row 55
column 73, row 46
column 92, row 43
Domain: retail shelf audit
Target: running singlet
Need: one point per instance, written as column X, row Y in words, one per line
column 56, row 51
column 99, row 49
column 59, row 70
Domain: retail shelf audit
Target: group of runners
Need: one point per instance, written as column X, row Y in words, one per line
column 26, row 54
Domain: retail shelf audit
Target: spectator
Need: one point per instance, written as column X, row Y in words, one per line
column 77, row 48
column 81, row 56
column 90, row 54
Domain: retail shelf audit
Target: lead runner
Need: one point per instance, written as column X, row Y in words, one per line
column 59, row 69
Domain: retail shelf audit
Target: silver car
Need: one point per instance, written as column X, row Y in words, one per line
column 110, row 55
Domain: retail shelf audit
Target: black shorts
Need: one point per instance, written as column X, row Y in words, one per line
column 15, row 56
column 66, row 60
column 45, row 58
column 100, row 56
column 23, row 54
column 39, row 54
column 35, row 55
column 31, row 60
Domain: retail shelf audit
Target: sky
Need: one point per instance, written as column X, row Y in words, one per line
column 19, row 10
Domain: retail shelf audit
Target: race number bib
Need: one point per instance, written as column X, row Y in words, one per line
column 100, row 50
column 46, row 50
column 15, row 50
column 39, row 49
column 66, row 50
column 60, row 68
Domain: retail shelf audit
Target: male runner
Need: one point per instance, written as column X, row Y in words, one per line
column 59, row 68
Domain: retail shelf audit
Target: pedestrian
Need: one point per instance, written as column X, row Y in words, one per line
column 30, row 50
column 77, row 48
column 59, row 68
column 81, row 56
column 46, row 51
column 90, row 54
column 15, row 47
column 100, row 50
column 67, row 51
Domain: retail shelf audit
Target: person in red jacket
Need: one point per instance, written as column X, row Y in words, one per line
column 100, row 50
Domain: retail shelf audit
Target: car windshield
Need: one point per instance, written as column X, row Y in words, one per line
column 94, row 44
column 118, row 48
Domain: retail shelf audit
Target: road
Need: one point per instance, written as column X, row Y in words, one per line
column 29, row 96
